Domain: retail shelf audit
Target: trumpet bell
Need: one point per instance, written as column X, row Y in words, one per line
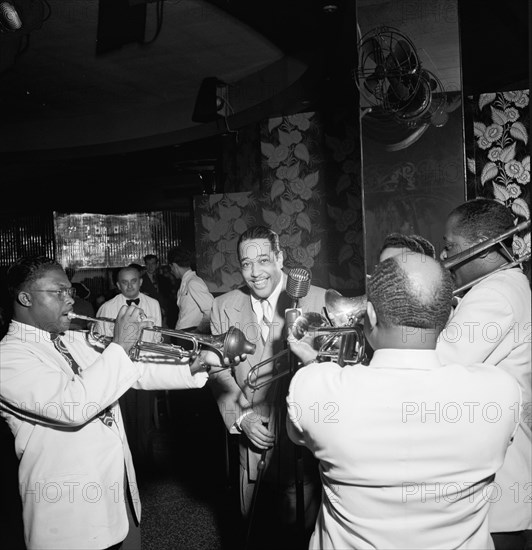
column 343, row 311
column 235, row 344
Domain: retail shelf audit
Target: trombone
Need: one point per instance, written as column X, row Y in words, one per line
column 228, row 345
column 466, row 255
column 339, row 334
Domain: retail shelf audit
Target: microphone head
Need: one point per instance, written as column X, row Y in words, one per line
column 298, row 283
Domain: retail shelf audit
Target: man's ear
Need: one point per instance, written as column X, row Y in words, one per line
column 371, row 315
column 479, row 240
column 24, row 298
column 280, row 258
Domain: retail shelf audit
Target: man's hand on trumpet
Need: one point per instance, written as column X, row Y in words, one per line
column 206, row 360
column 302, row 349
column 130, row 322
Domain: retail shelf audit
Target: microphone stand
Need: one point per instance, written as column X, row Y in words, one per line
column 261, row 466
column 291, row 315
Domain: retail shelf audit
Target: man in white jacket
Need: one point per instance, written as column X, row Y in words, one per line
column 59, row 395
column 491, row 324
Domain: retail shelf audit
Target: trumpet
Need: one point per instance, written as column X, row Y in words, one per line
column 229, row 345
column 468, row 254
column 339, row 335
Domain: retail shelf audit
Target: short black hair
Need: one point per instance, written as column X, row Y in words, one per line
column 24, row 271
column 149, row 257
column 481, row 219
column 400, row 301
column 260, row 232
column 415, row 243
column 183, row 257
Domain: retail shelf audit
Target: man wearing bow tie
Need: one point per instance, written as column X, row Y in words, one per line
column 137, row 407
column 129, row 282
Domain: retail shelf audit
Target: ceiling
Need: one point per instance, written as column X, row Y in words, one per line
column 103, row 92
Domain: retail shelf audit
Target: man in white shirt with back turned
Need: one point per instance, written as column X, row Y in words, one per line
column 408, row 447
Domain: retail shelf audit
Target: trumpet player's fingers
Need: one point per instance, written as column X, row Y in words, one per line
column 236, row 361
column 257, row 432
column 127, row 327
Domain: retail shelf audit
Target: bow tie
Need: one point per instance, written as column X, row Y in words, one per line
column 136, row 301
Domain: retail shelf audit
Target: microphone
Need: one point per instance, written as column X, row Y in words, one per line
column 297, row 284
column 9, row 17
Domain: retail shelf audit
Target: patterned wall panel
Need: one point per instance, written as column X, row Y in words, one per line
column 498, row 154
column 308, row 193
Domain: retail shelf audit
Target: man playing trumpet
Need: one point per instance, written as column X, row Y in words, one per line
column 59, row 395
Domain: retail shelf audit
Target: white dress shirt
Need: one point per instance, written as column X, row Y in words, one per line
column 194, row 301
column 149, row 306
column 407, row 448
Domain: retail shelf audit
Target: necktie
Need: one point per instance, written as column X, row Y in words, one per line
column 136, row 301
column 105, row 416
column 266, row 319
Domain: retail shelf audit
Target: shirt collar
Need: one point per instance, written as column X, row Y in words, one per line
column 273, row 298
column 420, row 359
column 187, row 275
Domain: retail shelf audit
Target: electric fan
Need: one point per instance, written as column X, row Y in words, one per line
column 388, row 73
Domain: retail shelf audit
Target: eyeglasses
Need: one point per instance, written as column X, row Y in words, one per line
column 61, row 293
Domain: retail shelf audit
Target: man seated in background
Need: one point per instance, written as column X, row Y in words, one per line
column 408, row 447
column 138, row 408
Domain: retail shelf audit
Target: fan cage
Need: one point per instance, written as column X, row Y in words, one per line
column 398, row 48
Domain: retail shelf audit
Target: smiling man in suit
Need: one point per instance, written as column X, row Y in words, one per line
column 258, row 309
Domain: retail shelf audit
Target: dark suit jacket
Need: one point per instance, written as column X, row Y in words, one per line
column 163, row 294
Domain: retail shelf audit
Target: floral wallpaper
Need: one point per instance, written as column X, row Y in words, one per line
column 308, row 194
column 498, row 154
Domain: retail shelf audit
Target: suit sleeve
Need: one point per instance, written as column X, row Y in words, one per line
column 230, row 399
column 35, row 389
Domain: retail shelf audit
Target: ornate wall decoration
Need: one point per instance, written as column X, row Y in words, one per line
column 498, row 154
column 308, row 194
column 292, row 199
column 219, row 221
